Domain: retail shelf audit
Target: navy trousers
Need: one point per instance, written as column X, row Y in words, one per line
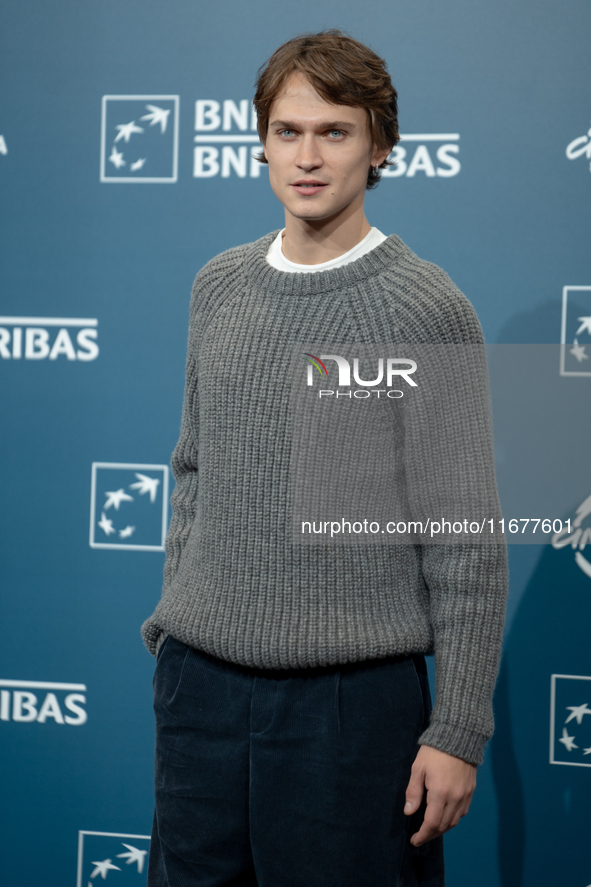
column 288, row 778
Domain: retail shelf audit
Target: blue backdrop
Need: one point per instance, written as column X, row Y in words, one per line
column 105, row 225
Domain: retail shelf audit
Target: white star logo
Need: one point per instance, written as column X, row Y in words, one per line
column 103, row 867
column 116, row 498
column 126, row 130
column 106, row 525
column 137, row 164
column 129, row 531
column 568, row 741
column 134, row 855
column 578, row 351
column 157, row 115
column 116, row 158
column 586, row 325
column 577, row 711
column 146, row 485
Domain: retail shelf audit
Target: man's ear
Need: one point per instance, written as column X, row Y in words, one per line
column 378, row 156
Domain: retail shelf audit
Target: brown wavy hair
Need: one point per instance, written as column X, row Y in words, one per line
column 341, row 70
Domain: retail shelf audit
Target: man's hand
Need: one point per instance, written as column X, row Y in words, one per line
column 450, row 784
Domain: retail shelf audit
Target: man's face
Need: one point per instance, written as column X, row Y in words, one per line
column 319, row 154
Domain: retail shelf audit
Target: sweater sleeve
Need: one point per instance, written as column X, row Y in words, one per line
column 184, row 465
column 467, row 586
column 449, row 459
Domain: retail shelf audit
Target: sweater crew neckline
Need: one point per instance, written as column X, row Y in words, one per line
column 265, row 277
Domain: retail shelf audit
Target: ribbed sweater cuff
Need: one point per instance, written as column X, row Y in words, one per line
column 455, row 740
column 152, row 636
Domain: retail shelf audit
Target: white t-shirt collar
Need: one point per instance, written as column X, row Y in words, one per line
column 276, row 258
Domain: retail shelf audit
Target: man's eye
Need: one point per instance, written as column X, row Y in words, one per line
column 337, row 132
column 286, row 132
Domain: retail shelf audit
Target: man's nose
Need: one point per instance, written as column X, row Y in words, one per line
column 309, row 156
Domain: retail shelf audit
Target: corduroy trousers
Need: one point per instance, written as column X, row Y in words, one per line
column 288, row 778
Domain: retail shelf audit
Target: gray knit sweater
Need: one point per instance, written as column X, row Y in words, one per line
column 235, row 585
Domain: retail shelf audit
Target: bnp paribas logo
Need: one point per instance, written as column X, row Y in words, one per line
column 139, row 138
column 128, row 506
column 570, row 720
column 575, row 333
column 113, row 856
column 226, row 140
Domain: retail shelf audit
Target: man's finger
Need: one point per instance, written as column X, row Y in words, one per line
column 431, row 826
column 452, row 814
column 414, row 790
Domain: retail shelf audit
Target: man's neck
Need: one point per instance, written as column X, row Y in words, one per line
column 311, row 243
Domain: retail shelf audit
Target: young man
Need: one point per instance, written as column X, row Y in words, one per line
column 296, row 742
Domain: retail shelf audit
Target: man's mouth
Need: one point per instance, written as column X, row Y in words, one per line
column 308, row 187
